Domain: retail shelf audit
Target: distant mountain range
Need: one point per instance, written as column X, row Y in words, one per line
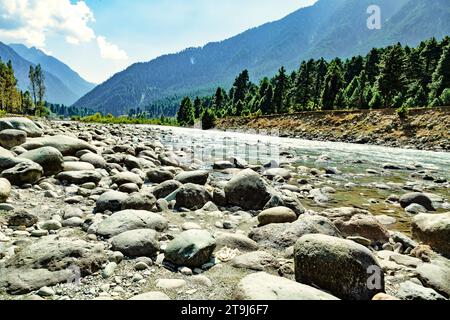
column 64, row 86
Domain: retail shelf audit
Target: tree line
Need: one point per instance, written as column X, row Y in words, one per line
column 13, row 100
column 393, row 77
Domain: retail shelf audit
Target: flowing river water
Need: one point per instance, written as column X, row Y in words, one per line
column 366, row 175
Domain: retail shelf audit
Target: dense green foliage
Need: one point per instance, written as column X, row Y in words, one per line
column 110, row 119
column 392, row 77
column 330, row 28
column 12, row 100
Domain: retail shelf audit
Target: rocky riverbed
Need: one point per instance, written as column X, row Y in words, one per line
column 150, row 213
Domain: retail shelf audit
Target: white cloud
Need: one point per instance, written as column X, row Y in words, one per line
column 110, row 51
column 32, row 21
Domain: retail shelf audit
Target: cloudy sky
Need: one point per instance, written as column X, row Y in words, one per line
column 98, row 38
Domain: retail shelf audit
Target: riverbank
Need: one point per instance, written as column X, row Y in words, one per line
column 116, row 212
column 423, row 129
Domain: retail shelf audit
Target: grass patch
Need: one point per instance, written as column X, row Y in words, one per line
column 110, row 119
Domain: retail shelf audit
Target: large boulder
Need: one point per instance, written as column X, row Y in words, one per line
column 434, row 230
column 94, row 159
column 357, row 222
column 5, row 189
column 159, row 175
column 248, row 190
column 166, row 188
column 23, row 124
column 436, row 275
column 22, row 219
column 111, row 201
column 345, row 268
column 276, row 215
column 127, row 177
column 79, row 177
column 409, row 290
column 197, row 177
column 418, row 198
column 235, row 241
column 191, row 248
column 192, row 196
column 284, row 235
column 50, row 159
column 264, row 286
column 136, row 243
column 49, row 261
column 11, row 138
column 127, row 220
column 68, row 146
column 139, row 201
column 280, row 172
column 24, row 172
column 256, row 260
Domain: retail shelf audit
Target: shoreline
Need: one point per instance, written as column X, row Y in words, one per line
column 422, row 129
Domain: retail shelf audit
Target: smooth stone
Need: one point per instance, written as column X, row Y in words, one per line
column 111, row 200
column 68, row 146
column 197, row 177
column 77, row 166
column 263, row 286
column 276, row 215
column 5, row 189
column 434, row 230
column 411, row 291
column 136, row 243
column 11, row 138
column 49, row 158
column 418, row 198
column 191, row 248
column 247, row 190
column 339, row 266
column 170, row 284
column 127, row 220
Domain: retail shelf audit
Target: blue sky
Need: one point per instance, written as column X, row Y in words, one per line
column 98, row 38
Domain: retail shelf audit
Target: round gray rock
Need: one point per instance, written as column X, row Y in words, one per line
column 342, row 267
column 191, row 248
column 136, row 243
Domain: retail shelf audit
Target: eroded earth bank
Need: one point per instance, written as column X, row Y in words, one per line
column 141, row 212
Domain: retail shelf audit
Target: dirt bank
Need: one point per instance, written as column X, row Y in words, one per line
column 425, row 129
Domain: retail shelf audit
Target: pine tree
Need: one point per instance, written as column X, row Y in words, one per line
column 33, row 86
column 430, row 55
column 197, row 108
column 333, row 83
column 208, row 119
column 441, row 77
column 266, row 93
column 353, row 68
column 280, row 104
column 377, row 101
column 319, row 77
column 391, row 80
column 371, row 65
column 304, row 85
column 241, row 86
column 186, row 116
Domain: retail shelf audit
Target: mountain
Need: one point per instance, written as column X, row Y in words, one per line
column 327, row 29
column 70, row 78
